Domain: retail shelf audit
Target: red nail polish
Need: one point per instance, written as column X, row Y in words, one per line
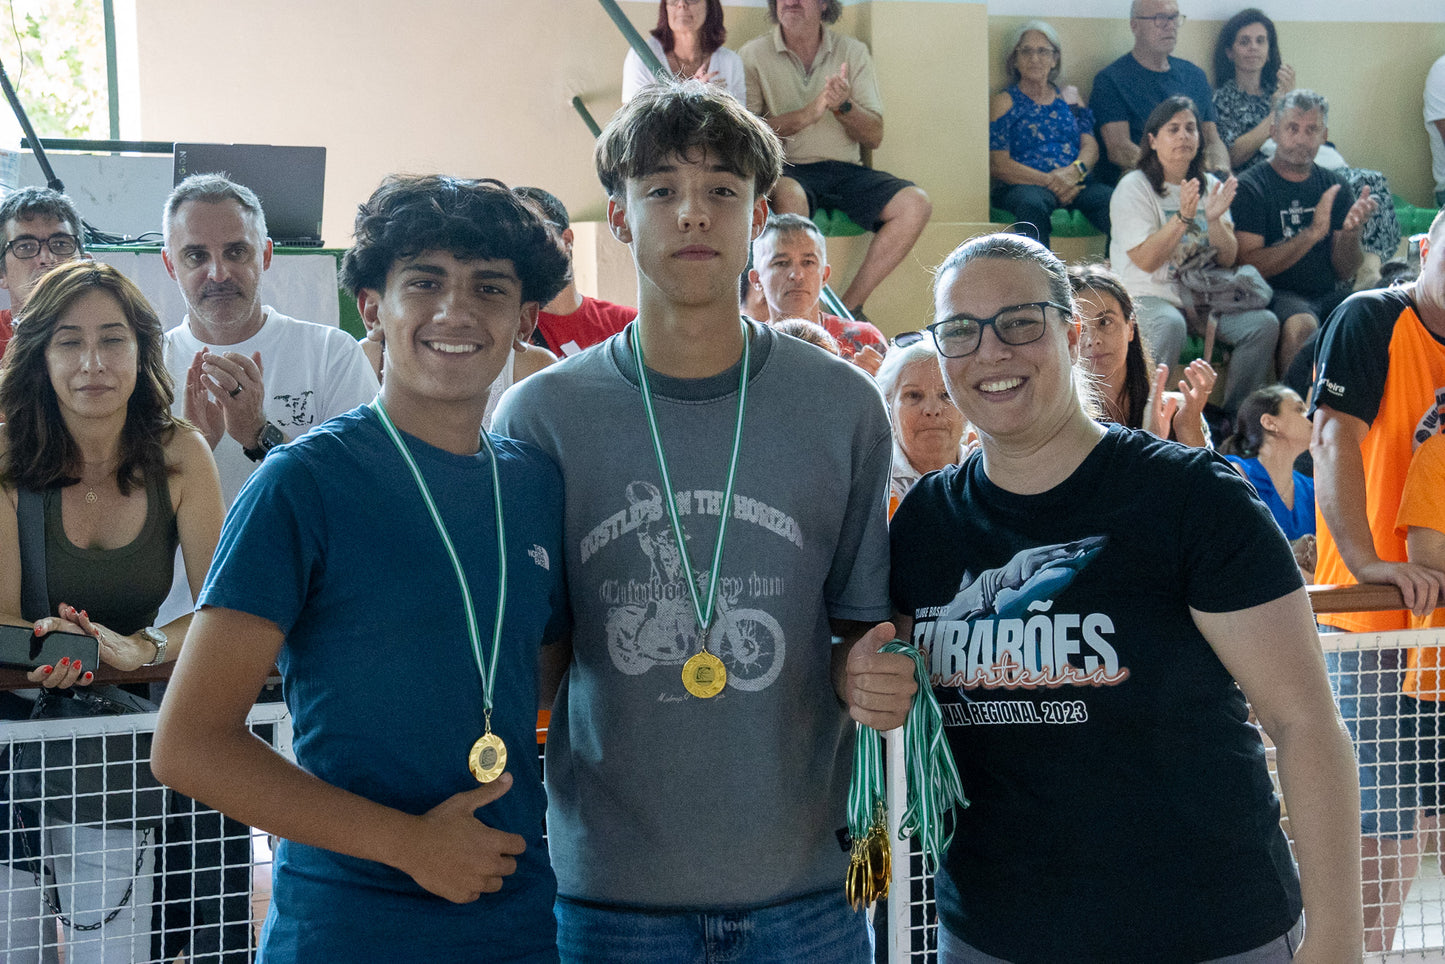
column 47, row 670
column 78, row 667
column 88, row 677
column 85, row 614
column 64, row 661
column 38, row 630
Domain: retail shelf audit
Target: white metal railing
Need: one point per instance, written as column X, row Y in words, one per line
column 1420, row 936
column 119, row 890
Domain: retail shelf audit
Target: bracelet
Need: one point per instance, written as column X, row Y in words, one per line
column 1182, row 219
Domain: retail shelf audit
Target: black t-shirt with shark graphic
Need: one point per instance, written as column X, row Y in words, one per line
column 1121, row 805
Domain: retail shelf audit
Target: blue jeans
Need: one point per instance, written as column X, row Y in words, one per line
column 820, row 929
column 1367, row 686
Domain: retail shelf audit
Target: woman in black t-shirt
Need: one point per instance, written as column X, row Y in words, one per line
column 1092, row 600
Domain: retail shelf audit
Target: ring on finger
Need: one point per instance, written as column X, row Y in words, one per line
column 235, row 391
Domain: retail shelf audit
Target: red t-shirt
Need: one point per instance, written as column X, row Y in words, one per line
column 7, row 328
column 595, row 321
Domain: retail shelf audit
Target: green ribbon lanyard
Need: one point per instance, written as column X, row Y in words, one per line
column 488, row 672
column 933, row 784
column 704, row 613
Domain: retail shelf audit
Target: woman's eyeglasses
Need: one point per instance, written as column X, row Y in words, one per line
column 960, row 336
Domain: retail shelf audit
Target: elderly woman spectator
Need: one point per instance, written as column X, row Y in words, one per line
column 119, row 483
column 1040, row 138
column 927, row 428
column 1111, row 351
column 1167, row 213
column 1250, row 79
column 688, row 40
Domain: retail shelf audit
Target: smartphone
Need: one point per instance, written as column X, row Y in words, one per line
column 20, row 647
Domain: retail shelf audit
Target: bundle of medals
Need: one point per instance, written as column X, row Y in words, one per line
column 870, row 868
column 933, row 790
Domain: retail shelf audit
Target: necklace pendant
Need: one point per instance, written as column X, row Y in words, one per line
column 91, row 497
column 488, row 757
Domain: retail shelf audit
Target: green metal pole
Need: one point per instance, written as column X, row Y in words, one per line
column 112, row 71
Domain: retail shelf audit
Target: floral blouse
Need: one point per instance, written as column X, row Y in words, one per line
column 1236, row 113
column 1042, row 136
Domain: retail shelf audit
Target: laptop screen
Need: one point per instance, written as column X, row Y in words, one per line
column 289, row 181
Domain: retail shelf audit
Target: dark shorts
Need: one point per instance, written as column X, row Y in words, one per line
column 859, row 192
column 1286, row 303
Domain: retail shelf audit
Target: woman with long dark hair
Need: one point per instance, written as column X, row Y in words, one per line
column 1168, row 212
column 688, row 40
column 89, row 432
column 1131, row 390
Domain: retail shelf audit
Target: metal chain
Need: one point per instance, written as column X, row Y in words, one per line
column 53, row 905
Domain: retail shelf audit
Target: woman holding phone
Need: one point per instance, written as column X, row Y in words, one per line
column 122, row 482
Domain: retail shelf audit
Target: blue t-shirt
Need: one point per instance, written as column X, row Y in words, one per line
column 1044, row 137
column 1126, row 90
column 1296, row 522
column 331, row 541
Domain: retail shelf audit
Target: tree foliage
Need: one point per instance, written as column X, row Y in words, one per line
column 54, row 52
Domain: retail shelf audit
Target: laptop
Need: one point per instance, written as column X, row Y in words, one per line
column 289, row 181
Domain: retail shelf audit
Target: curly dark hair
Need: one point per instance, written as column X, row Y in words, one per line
column 1224, row 67
column 1149, row 158
column 42, row 454
column 410, row 214
column 712, row 35
column 832, row 10
column 1097, row 279
column 687, row 119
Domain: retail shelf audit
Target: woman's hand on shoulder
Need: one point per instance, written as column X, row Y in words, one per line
column 1070, row 94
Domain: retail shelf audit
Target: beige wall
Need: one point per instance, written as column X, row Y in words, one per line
column 484, row 89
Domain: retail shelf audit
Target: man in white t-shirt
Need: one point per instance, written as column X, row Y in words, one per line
column 1435, row 125
column 246, row 375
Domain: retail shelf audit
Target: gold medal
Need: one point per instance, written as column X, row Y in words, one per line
column 704, row 675
column 488, row 757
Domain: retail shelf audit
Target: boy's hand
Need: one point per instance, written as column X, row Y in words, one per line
column 458, row 857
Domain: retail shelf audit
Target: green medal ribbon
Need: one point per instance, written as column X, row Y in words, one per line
column 704, row 612
column 485, row 668
column 933, row 784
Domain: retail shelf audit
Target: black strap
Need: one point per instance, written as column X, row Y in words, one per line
column 34, row 590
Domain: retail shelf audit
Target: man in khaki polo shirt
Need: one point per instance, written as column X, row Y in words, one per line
column 816, row 88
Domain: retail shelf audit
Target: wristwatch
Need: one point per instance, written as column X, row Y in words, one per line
column 270, row 437
column 845, row 107
column 1083, row 168
column 159, row 641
